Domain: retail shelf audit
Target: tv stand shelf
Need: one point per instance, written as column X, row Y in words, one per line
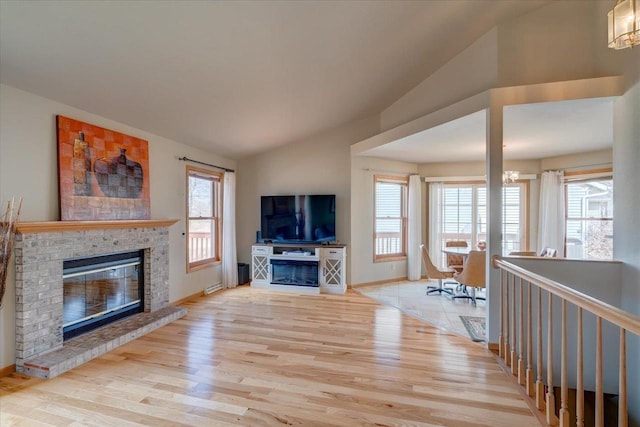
column 304, row 268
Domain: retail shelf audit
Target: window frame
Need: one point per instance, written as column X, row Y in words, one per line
column 217, row 179
column 404, row 183
column 583, row 176
column 525, row 214
column 524, row 184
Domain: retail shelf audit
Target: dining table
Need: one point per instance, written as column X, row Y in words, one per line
column 456, row 250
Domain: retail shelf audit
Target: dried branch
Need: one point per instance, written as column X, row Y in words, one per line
column 7, row 236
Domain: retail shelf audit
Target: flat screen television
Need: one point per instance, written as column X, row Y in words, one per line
column 298, row 219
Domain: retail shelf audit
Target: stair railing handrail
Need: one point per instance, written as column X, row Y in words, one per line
column 543, row 393
column 612, row 314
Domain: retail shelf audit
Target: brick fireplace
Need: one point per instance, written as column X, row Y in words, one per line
column 41, row 249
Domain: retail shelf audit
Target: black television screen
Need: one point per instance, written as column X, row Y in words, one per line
column 308, row 218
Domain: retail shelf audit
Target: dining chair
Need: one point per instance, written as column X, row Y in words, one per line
column 434, row 272
column 455, row 262
column 472, row 276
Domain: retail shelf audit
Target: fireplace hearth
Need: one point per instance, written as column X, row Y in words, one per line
column 48, row 269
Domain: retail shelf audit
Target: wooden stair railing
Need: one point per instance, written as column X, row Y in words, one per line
column 512, row 341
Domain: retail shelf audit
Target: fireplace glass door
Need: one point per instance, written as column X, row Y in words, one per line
column 100, row 290
column 292, row 272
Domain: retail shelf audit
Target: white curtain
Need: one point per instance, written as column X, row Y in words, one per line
column 435, row 222
column 229, row 254
column 551, row 219
column 414, row 232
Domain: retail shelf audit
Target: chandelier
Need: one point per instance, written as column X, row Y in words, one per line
column 624, row 24
column 509, row 177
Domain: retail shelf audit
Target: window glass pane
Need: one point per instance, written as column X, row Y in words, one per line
column 512, row 227
column 465, row 215
column 388, row 199
column 590, row 199
column 457, row 217
column 589, row 225
column 481, row 214
column 200, row 197
column 390, row 218
column 201, row 239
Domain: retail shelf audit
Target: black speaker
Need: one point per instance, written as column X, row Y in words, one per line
column 258, row 236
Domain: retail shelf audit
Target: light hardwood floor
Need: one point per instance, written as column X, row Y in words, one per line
column 253, row 357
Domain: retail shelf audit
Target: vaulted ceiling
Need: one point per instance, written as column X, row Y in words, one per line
column 236, row 78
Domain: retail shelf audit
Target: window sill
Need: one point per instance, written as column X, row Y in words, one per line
column 201, row 266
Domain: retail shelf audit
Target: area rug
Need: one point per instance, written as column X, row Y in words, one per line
column 475, row 326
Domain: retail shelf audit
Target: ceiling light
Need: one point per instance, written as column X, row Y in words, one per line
column 624, row 24
column 509, row 177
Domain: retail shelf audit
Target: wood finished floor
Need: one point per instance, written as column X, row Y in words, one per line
column 252, row 357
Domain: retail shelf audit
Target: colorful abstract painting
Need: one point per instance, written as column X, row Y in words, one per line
column 103, row 174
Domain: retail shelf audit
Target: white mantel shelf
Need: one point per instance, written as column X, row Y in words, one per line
column 52, row 226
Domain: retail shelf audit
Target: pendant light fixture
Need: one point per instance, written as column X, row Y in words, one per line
column 624, row 24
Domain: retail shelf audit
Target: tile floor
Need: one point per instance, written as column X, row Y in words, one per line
column 439, row 310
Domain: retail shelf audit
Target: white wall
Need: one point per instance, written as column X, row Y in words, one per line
column 320, row 165
column 473, row 70
column 580, row 161
column 28, row 169
column 558, row 42
column 626, row 231
column 363, row 268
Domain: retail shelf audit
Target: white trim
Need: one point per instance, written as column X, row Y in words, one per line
column 530, row 177
column 587, row 176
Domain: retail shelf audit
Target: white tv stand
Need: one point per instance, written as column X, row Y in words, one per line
column 302, row 268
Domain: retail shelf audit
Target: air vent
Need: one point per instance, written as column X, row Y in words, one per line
column 213, row 288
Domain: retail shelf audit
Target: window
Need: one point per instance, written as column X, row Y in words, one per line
column 390, row 218
column 464, row 214
column 589, row 225
column 203, row 217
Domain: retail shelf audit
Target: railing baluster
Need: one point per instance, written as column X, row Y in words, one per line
column 539, row 384
column 564, row 387
column 551, row 404
column 501, row 337
column 599, row 421
column 580, row 375
column 521, row 374
column 529, row 372
column 514, row 343
column 507, row 338
column 622, row 387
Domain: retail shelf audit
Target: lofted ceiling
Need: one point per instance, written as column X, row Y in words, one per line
column 531, row 131
column 236, row 77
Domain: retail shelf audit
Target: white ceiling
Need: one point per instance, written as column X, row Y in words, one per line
column 531, row 131
column 236, row 77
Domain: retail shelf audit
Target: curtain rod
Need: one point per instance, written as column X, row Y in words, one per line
column 186, row 159
column 523, row 176
column 609, row 164
column 389, row 172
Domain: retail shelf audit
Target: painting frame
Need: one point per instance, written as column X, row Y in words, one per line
column 103, row 175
